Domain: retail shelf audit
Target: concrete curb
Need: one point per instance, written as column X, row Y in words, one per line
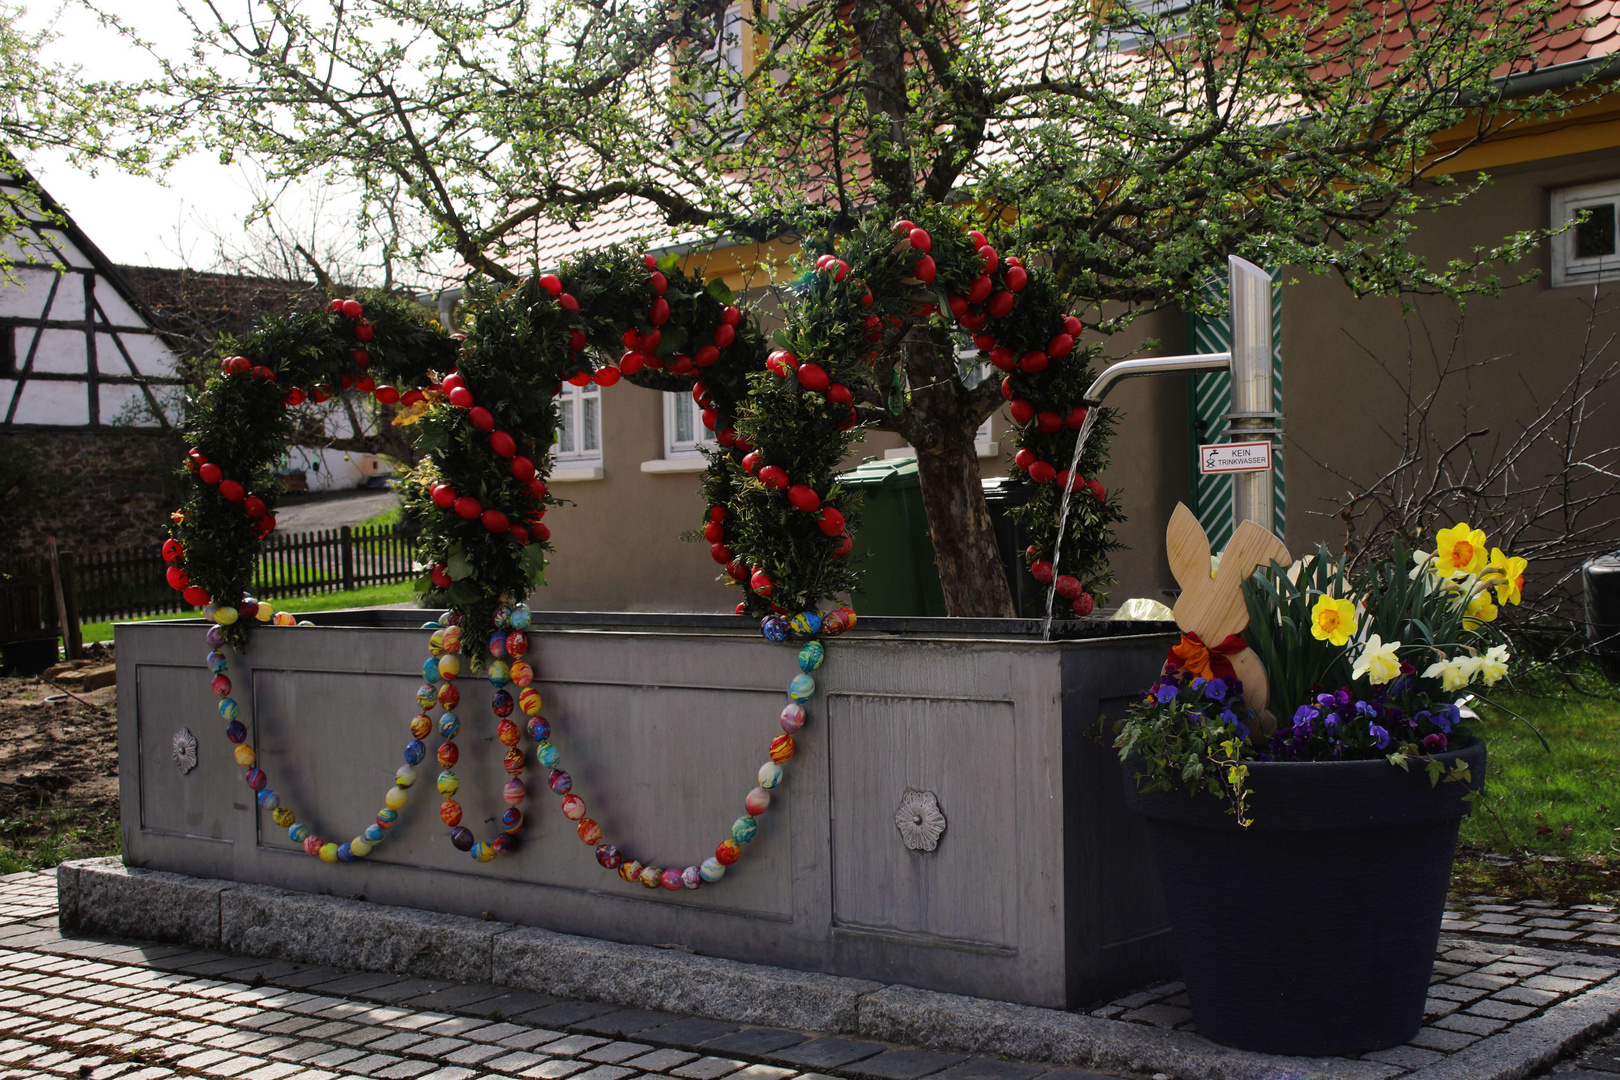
column 103, row 896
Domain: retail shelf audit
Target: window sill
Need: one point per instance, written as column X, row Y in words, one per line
column 985, row 449
column 563, row 474
column 694, row 463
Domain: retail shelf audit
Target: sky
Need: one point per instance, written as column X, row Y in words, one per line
column 134, row 220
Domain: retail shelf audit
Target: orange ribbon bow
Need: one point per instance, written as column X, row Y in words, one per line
column 1192, row 655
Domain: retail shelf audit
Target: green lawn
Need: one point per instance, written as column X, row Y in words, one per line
column 1550, row 819
column 387, row 517
column 371, row 596
column 40, row 841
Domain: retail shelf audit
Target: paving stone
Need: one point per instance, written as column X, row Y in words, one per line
column 660, row 1060
column 904, row 1065
column 453, row 1072
column 556, row 1069
column 761, row 1072
column 1440, row 1007
column 473, row 1054
column 624, row 1022
column 371, row 1064
column 1164, row 1016
column 494, row 1032
column 505, row 1006
column 392, row 1042
column 755, row 1042
column 456, row 1025
column 1524, row 995
column 1480, row 981
column 1432, row 1038
column 309, row 976
column 454, row 997
column 990, row 1069
column 405, row 1070
column 439, row 1047
column 1077, row 1074
column 614, row 1052
column 606, row 1072
column 1501, row 1010
column 1556, row 985
column 567, row 1013
column 1580, row 971
column 827, row 1053
column 531, row 1038
column 1452, row 992
column 573, row 1045
column 1552, row 935
column 1604, row 1057
column 403, row 989
column 512, row 1061
column 353, row 984
column 688, row 1032
column 707, row 1068
column 1472, row 1025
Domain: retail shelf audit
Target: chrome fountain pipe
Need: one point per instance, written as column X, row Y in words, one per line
column 1253, row 412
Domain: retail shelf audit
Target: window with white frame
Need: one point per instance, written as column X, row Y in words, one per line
column 579, row 432
column 1134, row 23
column 1586, row 233
column 684, row 433
column 724, row 57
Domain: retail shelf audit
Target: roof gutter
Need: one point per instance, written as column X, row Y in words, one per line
column 1560, row 76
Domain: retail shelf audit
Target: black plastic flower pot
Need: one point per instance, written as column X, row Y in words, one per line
column 1312, row 932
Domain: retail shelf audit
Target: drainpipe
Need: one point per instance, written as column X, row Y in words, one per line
column 1249, row 362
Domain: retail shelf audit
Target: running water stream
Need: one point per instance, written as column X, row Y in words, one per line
column 1063, row 512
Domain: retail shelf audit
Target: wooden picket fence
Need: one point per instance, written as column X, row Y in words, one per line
column 124, row 583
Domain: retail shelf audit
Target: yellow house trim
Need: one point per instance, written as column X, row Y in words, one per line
column 744, row 266
column 1592, row 125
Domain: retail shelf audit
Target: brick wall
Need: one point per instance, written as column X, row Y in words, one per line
column 91, row 490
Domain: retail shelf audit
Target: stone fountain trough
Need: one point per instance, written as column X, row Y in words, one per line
column 1039, row 890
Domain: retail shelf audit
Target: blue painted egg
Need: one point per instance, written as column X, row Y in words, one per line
column 521, row 617
column 806, row 624
column 229, row 710
column 297, row 831
column 500, row 703
column 344, row 853
column 430, row 672
column 812, row 656
column 431, row 625
column 269, row 799
column 217, row 662
column 499, row 674
column 546, row 754
column 512, row 819
column 712, row 869
column 744, row 828
column 770, row 774
column 539, row 729
column 386, row 818
column 216, row 636
column 449, row 724
column 235, row 731
column 774, row 627
column 802, row 688
column 415, row 751
column 374, row 834
column 497, row 645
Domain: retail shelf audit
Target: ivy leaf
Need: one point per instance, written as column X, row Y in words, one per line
column 458, row 566
column 669, row 262
column 721, row 291
column 534, row 564
column 464, row 593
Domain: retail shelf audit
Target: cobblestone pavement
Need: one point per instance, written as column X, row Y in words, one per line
column 80, row 1007
column 1536, row 921
column 99, row 1009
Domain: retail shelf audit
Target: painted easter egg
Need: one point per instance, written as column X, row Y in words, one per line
column 781, row 748
column 744, row 828
column 806, row 624
column 712, row 869
column 793, row 717
column 770, row 774
column 757, row 802
column 774, row 627
column 811, row 656
column 802, row 688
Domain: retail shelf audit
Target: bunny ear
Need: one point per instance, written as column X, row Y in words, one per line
column 1186, row 546
column 1252, row 545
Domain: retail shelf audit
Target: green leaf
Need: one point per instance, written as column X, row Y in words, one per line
column 721, row 291
column 534, row 564
column 669, row 262
column 458, row 566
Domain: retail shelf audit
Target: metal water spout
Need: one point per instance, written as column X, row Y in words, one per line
column 1253, row 413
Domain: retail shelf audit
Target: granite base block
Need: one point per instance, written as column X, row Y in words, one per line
column 672, row 980
column 108, row 897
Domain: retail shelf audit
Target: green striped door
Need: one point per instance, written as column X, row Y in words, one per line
column 1209, row 399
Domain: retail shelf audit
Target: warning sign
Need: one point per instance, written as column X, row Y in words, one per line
column 1234, row 457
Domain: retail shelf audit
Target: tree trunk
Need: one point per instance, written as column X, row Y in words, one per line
column 959, row 524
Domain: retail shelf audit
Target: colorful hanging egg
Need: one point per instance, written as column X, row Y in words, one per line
column 770, row 774
column 630, row 870
column 560, row 782
column 395, row 799
column 430, row 670
column 547, row 755
column 811, row 656
column 297, row 831
column 511, row 819
column 313, row 845
column 256, row 779
column 502, row 616
column 793, row 718
column 517, row 644
column 508, row 733
column 449, row 696
column 327, row 852
column 415, row 751
column 387, row 817
column 728, row 852
column 651, row 877
column 285, row 618
column 225, row 616
column 449, row 724
column 497, row 645
column 520, row 672
column 216, row 637
column 462, row 837
column 521, row 617
column 514, row 761
column 539, row 729
column 269, row 800
column 344, row 853
column 373, row 833
column 573, row 807
column 436, row 644
column 265, row 612
column 359, row 848
column 781, row 748
column 499, row 674
column 244, row 755
column 609, row 856
column 529, row 701
column 744, row 828
column 672, row 880
column 421, row 726
column 482, row 852
column 503, row 843
column 235, row 731
column 229, row 710
column 222, row 686
column 712, row 869
column 834, row 623
column 589, row 831
column 283, row 816
column 449, row 754
column 427, row 696
column 450, row 812
column 500, row 703
column 217, row 663
column 757, row 802
column 450, row 637
column 774, row 627
column 449, row 783
column 802, row 688
column 404, row 776
column 515, row 791
column 805, row 624
column 449, row 666
column 692, row 878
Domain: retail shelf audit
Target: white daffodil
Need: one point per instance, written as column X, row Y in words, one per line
column 1493, row 665
column 1454, row 674
column 1377, row 661
column 1421, row 561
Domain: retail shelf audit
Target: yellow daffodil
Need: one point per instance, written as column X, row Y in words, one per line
column 1461, row 550
column 1480, row 610
column 1493, row 665
column 1333, row 620
column 1507, row 575
column 1377, row 661
column 1454, row 674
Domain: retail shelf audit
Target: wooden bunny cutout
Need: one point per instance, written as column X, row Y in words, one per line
column 1213, row 607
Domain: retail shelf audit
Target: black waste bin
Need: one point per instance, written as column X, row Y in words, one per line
column 1600, row 581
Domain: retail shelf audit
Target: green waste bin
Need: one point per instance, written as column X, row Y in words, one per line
column 897, row 558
